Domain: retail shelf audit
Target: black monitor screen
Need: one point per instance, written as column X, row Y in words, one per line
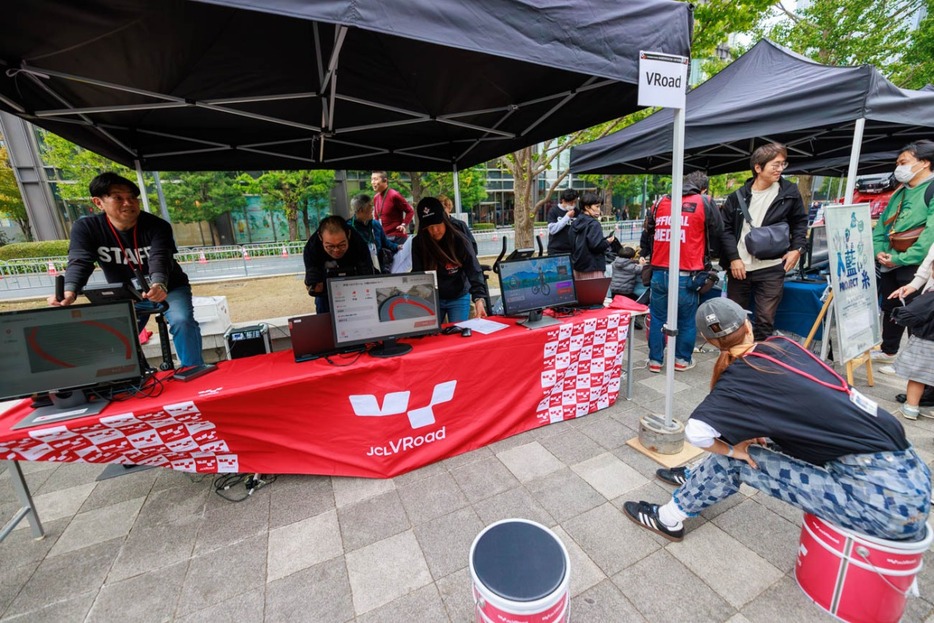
column 62, row 348
column 818, row 253
column 380, row 307
column 537, row 283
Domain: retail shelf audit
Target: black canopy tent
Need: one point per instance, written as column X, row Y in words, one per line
column 769, row 94
column 298, row 84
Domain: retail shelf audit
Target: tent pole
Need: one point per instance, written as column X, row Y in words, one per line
column 142, row 185
column 163, row 208
column 854, row 159
column 674, row 258
column 457, row 192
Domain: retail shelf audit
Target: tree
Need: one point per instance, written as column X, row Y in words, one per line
column 75, row 167
column 290, row 191
column 471, row 183
column 11, row 201
column 202, row 196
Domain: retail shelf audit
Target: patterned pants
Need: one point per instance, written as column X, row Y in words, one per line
column 885, row 494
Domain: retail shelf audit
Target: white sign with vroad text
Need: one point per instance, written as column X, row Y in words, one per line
column 662, row 79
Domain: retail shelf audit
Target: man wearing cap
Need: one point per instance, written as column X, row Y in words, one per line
column 559, row 218
column 335, row 250
column 852, row 466
column 391, row 208
column 440, row 248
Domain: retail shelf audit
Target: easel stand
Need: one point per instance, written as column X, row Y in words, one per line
column 851, row 365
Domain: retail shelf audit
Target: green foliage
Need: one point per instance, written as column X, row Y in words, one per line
column 201, row 196
column 11, row 202
column 483, row 226
column 471, row 183
column 75, row 168
column 42, row 248
column 291, row 192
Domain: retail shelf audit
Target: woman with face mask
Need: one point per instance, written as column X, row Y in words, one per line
column 910, row 207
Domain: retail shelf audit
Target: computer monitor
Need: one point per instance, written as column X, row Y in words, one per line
column 818, row 253
column 72, row 353
column 383, row 308
column 530, row 285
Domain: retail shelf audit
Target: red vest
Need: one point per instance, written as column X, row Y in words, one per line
column 693, row 233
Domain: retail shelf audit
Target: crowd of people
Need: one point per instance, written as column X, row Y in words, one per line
column 852, row 465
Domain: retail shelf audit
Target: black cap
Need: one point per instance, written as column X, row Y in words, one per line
column 430, row 212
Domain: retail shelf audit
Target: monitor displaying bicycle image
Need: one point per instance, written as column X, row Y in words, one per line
column 536, row 283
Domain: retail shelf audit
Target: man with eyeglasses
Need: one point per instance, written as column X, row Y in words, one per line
column 335, row 250
column 126, row 242
column 765, row 199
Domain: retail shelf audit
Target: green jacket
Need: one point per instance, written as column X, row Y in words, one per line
column 914, row 213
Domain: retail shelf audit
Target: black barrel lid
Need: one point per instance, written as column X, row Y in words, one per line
column 519, row 561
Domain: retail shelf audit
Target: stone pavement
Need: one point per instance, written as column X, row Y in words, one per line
column 159, row 545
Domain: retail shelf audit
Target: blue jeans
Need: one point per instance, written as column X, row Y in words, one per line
column 186, row 334
column 457, row 310
column 881, row 494
column 658, row 308
column 322, row 305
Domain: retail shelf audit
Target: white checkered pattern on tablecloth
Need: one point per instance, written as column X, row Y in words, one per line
column 582, row 364
column 175, row 437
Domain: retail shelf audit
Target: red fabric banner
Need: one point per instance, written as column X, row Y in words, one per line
column 369, row 417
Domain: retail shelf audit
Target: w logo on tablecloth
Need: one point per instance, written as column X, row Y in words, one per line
column 395, row 403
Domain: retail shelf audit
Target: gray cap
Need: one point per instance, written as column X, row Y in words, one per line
column 719, row 317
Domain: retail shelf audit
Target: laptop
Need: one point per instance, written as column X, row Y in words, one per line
column 312, row 338
column 592, row 292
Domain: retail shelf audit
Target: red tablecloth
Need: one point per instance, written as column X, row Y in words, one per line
column 372, row 418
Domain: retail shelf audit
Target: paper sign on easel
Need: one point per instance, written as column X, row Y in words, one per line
column 663, row 79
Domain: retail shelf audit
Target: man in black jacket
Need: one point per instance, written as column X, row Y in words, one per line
column 335, row 250
column 559, row 220
column 125, row 241
column 769, row 199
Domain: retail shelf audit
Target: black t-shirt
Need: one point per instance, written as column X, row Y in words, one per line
column 807, row 420
column 559, row 242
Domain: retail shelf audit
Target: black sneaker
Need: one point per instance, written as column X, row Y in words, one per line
column 676, row 476
column 646, row 515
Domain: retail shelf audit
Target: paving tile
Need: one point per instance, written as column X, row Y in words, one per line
column 609, row 476
column 917, row 609
column 767, row 534
column 484, row 478
column 696, row 602
column 303, row 544
column 785, row 597
column 69, row 475
column 423, row 604
column 431, row 497
column 144, row 598
column 737, row 618
column 738, row 578
column 12, row 578
column 70, row 609
column 59, row 503
column 564, row 494
column 460, row 460
column 154, row 547
column 64, row 577
column 516, row 502
column 35, row 474
column 168, row 478
column 97, row 526
column 351, row 490
column 604, row 603
column 372, row 520
column 457, row 596
column 529, row 461
column 604, row 430
column 245, row 608
column 440, row 467
column 791, row 513
column 20, row 548
column 659, row 384
column 585, row 574
column 115, row 490
column 445, row 541
column 179, row 504
column 609, row 539
column 572, row 446
column 223, row 573
column 386, row 570
column 233, row 522
column 293, row 498
column 318, row 593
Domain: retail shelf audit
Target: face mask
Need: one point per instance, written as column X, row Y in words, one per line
column 904, row 173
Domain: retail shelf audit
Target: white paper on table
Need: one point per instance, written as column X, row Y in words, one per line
column 482, row 325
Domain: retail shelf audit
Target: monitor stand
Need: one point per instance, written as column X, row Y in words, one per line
column 537, row 321
column 65, row 406
column 389, row 348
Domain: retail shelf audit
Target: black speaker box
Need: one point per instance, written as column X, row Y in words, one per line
column 247, row 341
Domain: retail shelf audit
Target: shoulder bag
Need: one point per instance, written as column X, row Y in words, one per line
column 901, row 241
column 766, row 243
